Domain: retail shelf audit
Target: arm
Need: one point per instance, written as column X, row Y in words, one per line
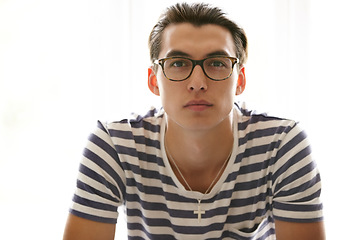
column 299, row 231
column 80, row 228
column 297, row 189
column 98, row 190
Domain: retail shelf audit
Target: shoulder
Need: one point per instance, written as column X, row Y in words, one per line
column 150, row 121
column 270, row 135
column 136, row 132
column 262, row 122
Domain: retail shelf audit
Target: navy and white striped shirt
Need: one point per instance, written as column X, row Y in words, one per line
column 269, row 176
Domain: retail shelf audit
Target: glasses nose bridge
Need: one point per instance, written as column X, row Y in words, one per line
column 200, row 63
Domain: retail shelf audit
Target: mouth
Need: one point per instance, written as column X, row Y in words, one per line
column 198, row 105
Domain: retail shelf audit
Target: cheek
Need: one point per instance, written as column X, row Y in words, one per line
column 167, row 94
column 230, row 89
column 229, row 95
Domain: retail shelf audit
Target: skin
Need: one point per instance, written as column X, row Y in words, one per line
column 82, row 229
column 199, row 136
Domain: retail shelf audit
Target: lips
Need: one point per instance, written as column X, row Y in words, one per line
column 198, row 105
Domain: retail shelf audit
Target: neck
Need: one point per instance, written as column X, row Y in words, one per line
column 199, row 155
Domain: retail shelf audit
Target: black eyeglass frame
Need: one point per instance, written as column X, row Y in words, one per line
column 161, row 62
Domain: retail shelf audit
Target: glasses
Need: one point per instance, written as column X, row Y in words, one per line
column 216, row 68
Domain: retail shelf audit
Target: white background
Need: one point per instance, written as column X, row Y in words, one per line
column 65, row 64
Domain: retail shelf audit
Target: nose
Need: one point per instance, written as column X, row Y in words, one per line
column 197, row 80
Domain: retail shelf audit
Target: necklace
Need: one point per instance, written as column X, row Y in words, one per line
column 199, row 212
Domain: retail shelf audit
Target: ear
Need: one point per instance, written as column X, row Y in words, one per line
column 241, row 82
column 152, row 82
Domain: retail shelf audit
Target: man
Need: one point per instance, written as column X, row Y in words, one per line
column 201, row 167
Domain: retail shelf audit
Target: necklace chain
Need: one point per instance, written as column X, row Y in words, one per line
column 198, row 212
column 187, row 184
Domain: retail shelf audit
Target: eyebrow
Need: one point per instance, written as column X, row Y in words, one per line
column 177, row 53
column 218, row 53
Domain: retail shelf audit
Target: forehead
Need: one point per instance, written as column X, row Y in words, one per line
column 196, row 41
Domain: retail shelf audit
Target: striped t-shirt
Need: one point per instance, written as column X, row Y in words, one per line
column 269, row 176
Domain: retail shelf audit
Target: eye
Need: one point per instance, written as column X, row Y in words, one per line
column 218, row 62
column 178, row 63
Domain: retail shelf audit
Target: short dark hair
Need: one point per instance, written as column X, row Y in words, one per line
column 197, row 14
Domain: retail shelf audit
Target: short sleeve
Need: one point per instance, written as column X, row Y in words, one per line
column 296, row 180
column 100, row 183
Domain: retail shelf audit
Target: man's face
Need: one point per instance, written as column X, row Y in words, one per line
column 198, row 102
